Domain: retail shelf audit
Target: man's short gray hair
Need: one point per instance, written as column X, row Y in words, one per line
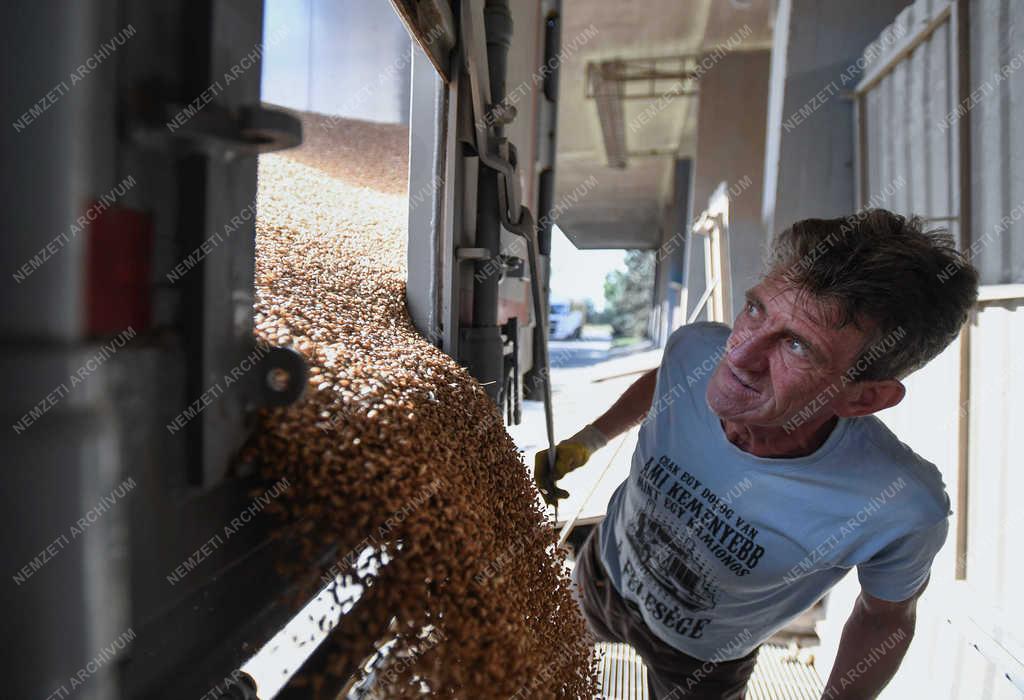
column 882, row 268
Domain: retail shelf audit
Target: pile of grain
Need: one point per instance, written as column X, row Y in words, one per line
column 395, row 449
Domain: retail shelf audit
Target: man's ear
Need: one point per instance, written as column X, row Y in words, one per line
column 865, row 398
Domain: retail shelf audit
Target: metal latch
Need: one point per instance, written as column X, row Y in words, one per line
column 219, row 131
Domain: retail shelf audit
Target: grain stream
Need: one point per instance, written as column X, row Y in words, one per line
column 395, row 452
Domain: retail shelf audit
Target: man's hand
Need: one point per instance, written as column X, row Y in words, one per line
column 569, row 454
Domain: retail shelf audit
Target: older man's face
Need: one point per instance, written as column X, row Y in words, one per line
column 780, row 357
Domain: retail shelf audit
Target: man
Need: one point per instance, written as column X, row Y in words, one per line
column 761, row 477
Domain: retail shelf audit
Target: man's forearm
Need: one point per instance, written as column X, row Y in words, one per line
column 870, row 652
column 631, row 407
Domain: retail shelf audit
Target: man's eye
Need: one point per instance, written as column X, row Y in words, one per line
column 796, row 346
column 752, row 310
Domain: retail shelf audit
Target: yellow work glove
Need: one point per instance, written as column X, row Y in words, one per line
column 569, row 454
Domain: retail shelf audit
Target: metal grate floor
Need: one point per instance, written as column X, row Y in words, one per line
column 621, row 673
column 623, row 676
column 776, row 677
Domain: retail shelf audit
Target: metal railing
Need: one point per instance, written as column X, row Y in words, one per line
column 713, row 225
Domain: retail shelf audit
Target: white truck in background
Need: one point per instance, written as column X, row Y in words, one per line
column 564, row 321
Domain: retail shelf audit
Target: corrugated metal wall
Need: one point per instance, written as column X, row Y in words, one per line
column 911, row 116
column 997, row 161
column 907, row 154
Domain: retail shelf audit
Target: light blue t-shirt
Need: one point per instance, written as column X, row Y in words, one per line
column 720, row 549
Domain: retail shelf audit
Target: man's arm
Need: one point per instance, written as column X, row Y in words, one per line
column 574, row 452
column 630, row 408
column 875, row 639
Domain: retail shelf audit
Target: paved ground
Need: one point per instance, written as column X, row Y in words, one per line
column 578, row 399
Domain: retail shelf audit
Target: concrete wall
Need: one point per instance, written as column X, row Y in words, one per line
column 730, row 147
column 808, row 167
column 667, row 315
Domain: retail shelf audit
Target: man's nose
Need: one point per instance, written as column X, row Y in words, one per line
column 748, row 350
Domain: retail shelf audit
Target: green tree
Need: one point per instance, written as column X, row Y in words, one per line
column 593, row 315
column 628, row 294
